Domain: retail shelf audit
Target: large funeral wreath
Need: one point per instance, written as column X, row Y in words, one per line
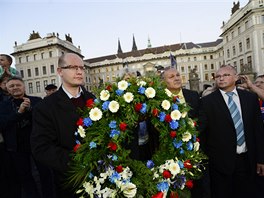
column 101, row 166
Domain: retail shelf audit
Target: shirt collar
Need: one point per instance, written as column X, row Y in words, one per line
column 71, row 96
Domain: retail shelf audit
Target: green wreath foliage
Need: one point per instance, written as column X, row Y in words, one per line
column 101, row 166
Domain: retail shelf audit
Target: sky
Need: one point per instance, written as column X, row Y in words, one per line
column 96, row 25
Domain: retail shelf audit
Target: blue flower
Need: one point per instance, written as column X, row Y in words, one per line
column 181, row 151
column 119, row 92
column 162, row 116
column 105, row 105
column 179, row 181
column 96, row 101
column 114, row 132
column 150, row 164
column 115, row 176
column 77, row 142
column 87, row 122
column 92, row 145
column 141, row 90
column 189, row 146
column 175, row 107
column 174, row 124
column 194, row 138
column 177, row 144
column 91, row 175
column 76, row 133
column 143, row 110
column 112, row 124
column 114, row 157
column 181, row 164
column 163, row 186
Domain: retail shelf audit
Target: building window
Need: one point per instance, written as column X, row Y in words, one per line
column 240, row 47
column 227, row 39
column 196, row 67
column 53, row 81
column 241, row 63
column 248, row 43
column 35, row 57
column 50, row 54
column 239, row 30
column 45, row 83
column 195, row 58
column 107, row 78
column 36, row 71
column 29, row 72
column 246, row 25
column 211, row 56
column 42, row 55
column 44, row 70
column 206, row 77
column 234, row 50
column 205, row 67
column 52, row 70
column 27, row 58
column 184, row 79
column 204, row 57
column 38, row 86
column 235, row 64
column 212, row 66
column 249, row 61
column 182, row 69
column 212, row 76
column 20, row 59
column 22, row 73
column 228, row 53
column 30, row 88
column 189, row 59
column 232, row 34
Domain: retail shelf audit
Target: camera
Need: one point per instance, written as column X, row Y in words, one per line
column 240, row 81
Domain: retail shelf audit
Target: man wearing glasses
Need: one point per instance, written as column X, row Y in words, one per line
column 232, row 136
column 54, row 121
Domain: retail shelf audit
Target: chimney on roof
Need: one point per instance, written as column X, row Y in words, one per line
column 134, row 47
column 149, row 44
column 119, row 51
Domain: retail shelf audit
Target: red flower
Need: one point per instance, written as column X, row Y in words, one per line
column 173, row 134
column 155, row 112
column 109, row 88
column 168, row 118
column 189, row 184
column 90, row 103
column 174, row 195
column 194, row 123
column 158, row 195
column 112, row 146
column 119, row 169
column 166, row 174
column 138, row 106
column 187, row 164
column 79, row 122
column 197, row 139
column 175, row 98
column 76, row 147
column 151, row 83
column 122, row 126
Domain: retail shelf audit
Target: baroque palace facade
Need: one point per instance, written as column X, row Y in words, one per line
column 241, row 44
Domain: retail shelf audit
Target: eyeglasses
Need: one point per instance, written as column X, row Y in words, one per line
column 74, row 67
column 224, row 76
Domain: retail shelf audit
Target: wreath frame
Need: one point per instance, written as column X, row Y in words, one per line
column 97, row 151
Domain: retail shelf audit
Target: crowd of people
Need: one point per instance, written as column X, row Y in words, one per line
column 37, row 135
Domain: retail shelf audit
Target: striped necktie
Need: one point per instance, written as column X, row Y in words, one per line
column 237, row 120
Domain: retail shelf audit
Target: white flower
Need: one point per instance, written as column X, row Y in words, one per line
column 128, row 97
column 196, row 146
column 81, row 131
column 104, row 95
column 190, row 122
column 113, row 106
column 141, row 83
column 184, row 114
column 165, row 104
column 122, row 85
column 95, row 114
column 129, row 190
column 186, row 136
column 174, row 168
column 168, row 92
column 175, row 115
column 88, row 188
column 150, row 92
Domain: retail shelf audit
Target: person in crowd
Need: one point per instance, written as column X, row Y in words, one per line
column 208, row 90
column 5, row 66
column 3, row 90
column 54, row 121
column 172, row 78
column 50, row 89
column 16, row 125
column 232, row 136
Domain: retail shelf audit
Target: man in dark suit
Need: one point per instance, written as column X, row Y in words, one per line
column 234, row 146
column 54, row 121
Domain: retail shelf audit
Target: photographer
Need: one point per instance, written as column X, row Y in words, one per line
column 16, row 125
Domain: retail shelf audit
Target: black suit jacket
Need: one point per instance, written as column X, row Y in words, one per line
column 218, row 135
column 54, row 124
column 192, row 99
